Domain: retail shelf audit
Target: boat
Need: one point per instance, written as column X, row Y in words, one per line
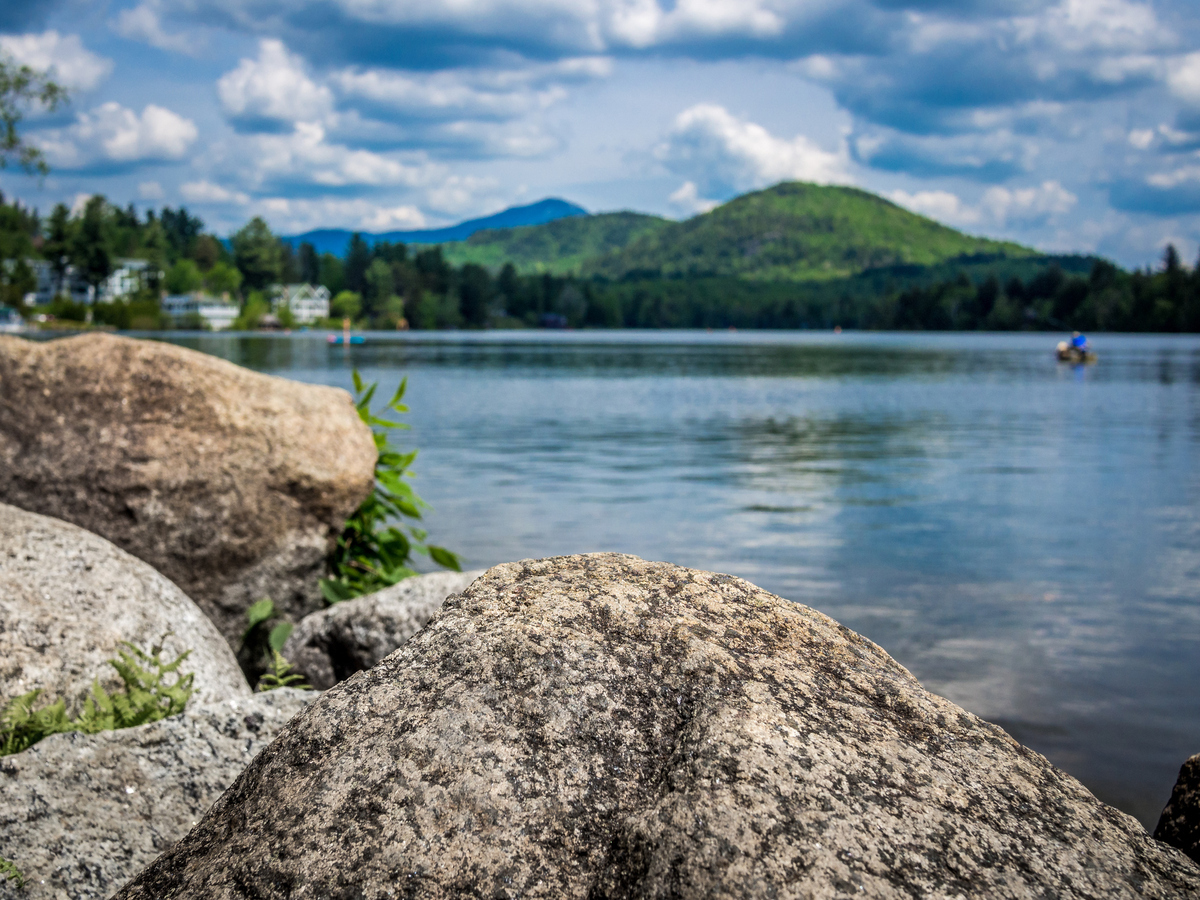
column 346, row 339
column 1064, row 352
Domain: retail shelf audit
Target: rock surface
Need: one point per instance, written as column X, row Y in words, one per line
column 82, row 814
column 331, row 645
column 600, row 726
column 229, row 482
column 1179, row 825
column 69, row 597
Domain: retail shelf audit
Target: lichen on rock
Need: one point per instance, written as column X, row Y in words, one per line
column 600, row 726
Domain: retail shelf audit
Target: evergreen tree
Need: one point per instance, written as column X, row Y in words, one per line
column 256, row 255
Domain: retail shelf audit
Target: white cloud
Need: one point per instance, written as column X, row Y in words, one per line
column 480, row 93
column 943, row 206
column 273, row 88
column 1184, row 78
column 1141, row 138
column 150, row 190
column 687, row 198
column 143, row 23
column 460, row 193
column 72, row 65
column 723, row 154
column 305, row 157
column 999, row 206
column 290, row 216
column 1030, row 205
column 116, row 134
column 207, row 192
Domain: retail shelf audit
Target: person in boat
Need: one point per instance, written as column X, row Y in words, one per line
column 1079, row 343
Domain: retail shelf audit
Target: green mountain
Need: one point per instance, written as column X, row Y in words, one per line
column 561, row 247
column 796, row 232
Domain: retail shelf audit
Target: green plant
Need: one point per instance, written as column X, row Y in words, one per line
column 9, row 870
column 279, row 675
column 266, row 633
column 147, row 696
column 375, row 548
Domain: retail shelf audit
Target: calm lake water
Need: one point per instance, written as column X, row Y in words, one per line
column 1022, row 535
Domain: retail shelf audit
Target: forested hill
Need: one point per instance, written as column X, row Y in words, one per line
column 562, row 247
column 795, row 232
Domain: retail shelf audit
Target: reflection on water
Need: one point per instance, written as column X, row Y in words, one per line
column 1022, row 535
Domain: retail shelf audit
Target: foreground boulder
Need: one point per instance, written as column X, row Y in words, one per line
column 68, row 598
column 600, row 726
column 82, row 814
column 1179, row 825
column 229, row 482
column 331, row 645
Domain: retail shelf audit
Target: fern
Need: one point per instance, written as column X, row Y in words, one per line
column 147, row 696
column 278, row 677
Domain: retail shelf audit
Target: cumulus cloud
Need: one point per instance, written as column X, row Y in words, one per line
column 988, row 156
column 1184, row 78
column 687, row 199
column 998, row 206
column 150, row 190
column 113, row 134
column 71, row 64
column 273, row 90
column 721, row 155
column 289, row 215
column 205, row 191
column 305, row 158
column 143, row 23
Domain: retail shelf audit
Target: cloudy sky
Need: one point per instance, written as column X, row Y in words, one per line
column 1072, row 125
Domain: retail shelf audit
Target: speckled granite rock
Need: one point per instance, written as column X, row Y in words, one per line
column 331, row 645
column 67, row 600
column 601, row 727
column 82, row 814
column 1179, row 825
column 229, row 482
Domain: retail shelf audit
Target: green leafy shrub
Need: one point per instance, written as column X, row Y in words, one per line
column 280, row 675
column 376, row 547
column 10, row 871
column 147, row 696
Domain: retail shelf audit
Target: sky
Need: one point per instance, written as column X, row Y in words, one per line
column 1070, row 126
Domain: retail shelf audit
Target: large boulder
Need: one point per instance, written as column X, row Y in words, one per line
column 1179, row 824
column 600, row 726
column 68, row 598
column 229, row 482
column 331, row 645
column 82, row 814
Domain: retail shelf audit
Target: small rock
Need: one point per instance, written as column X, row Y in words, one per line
column 601, row 727
column 331, row 645
column 1179, row 825
column 82, row 814
column 229, row 482
column 69, row 597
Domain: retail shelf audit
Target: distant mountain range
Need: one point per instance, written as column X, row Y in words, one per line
column 335, row 240
column 790, row 232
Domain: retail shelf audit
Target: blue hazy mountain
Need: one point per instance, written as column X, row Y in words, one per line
column 335, row 240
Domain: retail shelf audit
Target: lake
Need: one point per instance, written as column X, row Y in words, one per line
column 1024, row 536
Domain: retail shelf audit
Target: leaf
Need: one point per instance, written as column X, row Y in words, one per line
column 399, row 395
column 260, row 611
column 358, row 382
column 279, row 635
column 445, row 558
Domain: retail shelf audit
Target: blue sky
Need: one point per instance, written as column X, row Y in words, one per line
column 1071, row 126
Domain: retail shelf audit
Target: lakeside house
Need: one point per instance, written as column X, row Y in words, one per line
column 199, row 310
column 307, row 302
column 10, row 321
column 126, row 279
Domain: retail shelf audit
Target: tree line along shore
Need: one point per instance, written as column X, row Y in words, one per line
column 392, row 285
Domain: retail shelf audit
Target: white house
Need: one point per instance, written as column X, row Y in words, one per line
column 308, row 302
column 189, row 309
column 126, row 279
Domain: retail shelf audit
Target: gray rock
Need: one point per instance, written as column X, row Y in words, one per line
column 67, row 600
column 1179, row 824
column 599, row 726
column 229, row 482
column 82, row 814
column 331, row 645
